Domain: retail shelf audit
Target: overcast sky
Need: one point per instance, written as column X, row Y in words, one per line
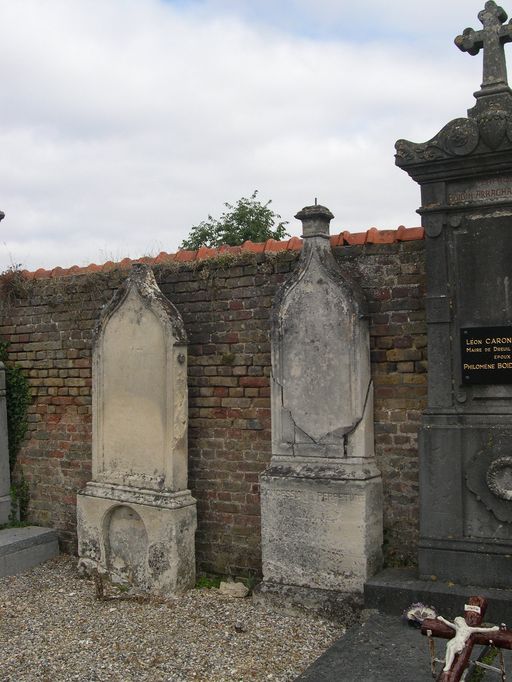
column 125, row 122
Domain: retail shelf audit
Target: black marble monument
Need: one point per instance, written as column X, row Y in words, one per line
column 465, row 174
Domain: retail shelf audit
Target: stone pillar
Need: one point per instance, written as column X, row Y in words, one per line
column 321, row 497
column 5, row 478
column 136, row 518
column 465, row 174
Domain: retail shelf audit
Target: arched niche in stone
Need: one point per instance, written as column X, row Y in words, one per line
column 126, row 544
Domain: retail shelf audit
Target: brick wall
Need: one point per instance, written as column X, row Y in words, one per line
column 225, row 303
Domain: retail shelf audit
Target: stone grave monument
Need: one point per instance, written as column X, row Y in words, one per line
column 5, row 477
column 20, row 548
column 136, row 518
column 465, row 174
column 321, row 496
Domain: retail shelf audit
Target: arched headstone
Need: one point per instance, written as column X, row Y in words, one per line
column 136, row 518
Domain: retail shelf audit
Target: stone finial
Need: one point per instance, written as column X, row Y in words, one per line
column 315, row 221
column 491, row 40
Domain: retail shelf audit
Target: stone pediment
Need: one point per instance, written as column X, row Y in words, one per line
column 490, row 131
column 142, row 282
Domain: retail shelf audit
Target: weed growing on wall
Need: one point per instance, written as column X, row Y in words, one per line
column 14, row 285
column 18, row 400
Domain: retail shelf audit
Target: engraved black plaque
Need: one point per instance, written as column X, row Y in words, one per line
column 486, row 355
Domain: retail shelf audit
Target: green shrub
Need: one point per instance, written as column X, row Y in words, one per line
column 17, row 399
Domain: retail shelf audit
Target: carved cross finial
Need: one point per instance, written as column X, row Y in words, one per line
column 491, row 40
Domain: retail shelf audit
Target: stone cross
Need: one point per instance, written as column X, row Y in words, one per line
column 491, row 40
column 463, row 634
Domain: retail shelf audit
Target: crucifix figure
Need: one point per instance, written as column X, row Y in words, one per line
column 491, row 40
column 463, row 634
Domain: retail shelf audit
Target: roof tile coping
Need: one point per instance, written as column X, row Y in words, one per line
column 371, row 236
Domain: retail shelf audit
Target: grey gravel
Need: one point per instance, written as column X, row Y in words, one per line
column 53, row 629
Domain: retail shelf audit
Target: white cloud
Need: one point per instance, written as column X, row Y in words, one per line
column 125, row 122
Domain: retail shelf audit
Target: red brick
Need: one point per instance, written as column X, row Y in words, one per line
column 227, row 313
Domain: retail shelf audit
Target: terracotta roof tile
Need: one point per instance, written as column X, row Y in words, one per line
column 205, row 252
column 225, row 248
column 163, row 257
column 254, row 247
column 356, row 238
column 371, row 236
column 185, row 256
column 92, row 267
column 274, row 246
column 406, row 234
column 42, row 273
column 375, row 236
column 294, row 244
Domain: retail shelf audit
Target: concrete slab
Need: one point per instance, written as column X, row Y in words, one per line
column 383, row 649
column 394, row 589
column 24, row 548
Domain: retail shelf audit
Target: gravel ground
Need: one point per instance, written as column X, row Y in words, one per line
column 53, row 629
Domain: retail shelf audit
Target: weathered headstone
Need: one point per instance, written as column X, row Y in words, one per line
column 136, row 518
column 321, row 495
column 465, row 173
column 5, row 478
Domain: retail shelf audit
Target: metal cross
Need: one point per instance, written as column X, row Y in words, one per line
column 491, row 40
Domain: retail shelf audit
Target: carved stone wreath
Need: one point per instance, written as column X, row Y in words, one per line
column 499, row 478
column 489, row 478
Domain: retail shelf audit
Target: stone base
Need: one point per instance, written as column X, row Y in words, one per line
column 141, row 537
column 465, row 516
column 5, row 508
column 24, row 548
column 466, row 562
column 342, row 607
column 321, row 533
column 380, row 649
column 395, row 589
